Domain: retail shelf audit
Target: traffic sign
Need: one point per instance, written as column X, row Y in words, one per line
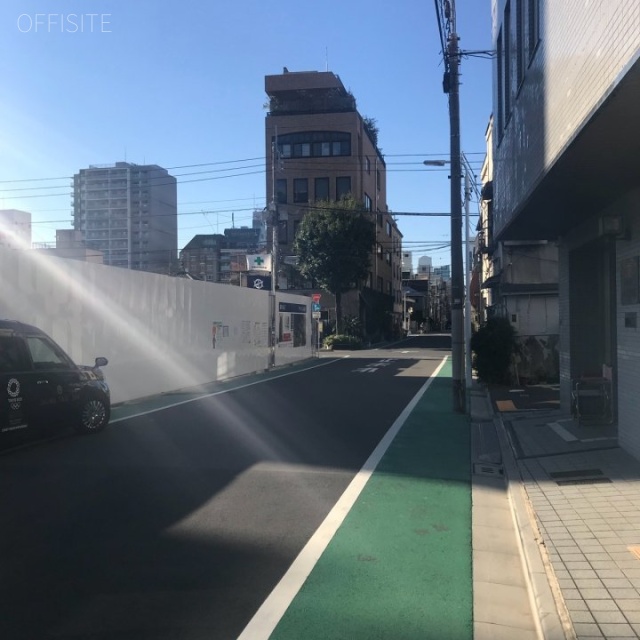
column 315, row 315
column 315, row 306
column 316, row 297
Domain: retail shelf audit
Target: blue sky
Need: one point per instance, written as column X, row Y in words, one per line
column 179, row 84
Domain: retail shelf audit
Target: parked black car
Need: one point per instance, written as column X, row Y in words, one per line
column 41, row 387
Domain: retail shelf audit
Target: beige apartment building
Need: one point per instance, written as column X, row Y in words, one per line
column 319, row 147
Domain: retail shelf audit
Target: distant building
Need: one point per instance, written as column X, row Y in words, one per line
column 424, row 267
column 129, row 213
column 443, row 272
column 200, row 257
column 407, row 265
column 220, row 257
column 70, row 245
column 15, row 229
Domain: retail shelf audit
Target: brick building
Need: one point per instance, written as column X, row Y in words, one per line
column 324, row 149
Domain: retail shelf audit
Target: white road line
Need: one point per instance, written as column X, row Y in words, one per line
column 265, row 620
column 217, row 393
column 562, row 432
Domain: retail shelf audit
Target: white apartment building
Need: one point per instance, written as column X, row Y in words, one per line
column 129, row 213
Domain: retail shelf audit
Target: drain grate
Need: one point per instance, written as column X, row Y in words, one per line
column 578, row 476
column 565, row 483
column 576, row 473
column 486, row 469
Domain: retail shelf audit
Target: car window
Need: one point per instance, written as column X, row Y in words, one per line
column 12, row 355
column 45, row 354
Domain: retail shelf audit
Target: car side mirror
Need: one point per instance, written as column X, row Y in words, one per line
column 101, row 362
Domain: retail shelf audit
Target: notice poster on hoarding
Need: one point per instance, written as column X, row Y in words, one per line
column 292, row 325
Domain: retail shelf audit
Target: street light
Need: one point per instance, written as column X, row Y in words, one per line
column 460, row 354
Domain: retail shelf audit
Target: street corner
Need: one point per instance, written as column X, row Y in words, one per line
column 506, row 399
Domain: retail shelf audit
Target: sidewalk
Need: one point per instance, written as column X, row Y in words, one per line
column 579, row 520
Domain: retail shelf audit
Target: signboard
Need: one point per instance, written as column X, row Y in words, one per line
column 290, row 307
column 261, row 262
column 259, row 282
column 292, row 324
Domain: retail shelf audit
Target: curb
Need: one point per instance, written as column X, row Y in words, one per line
column 548, row 607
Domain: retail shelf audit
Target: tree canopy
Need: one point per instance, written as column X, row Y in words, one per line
column 334, row 243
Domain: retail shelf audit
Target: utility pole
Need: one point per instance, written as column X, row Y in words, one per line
column 467, row 297
column 275, row 221
column 457, row 286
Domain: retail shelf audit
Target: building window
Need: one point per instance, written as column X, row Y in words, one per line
column 300, row 190
column 283, row 232
column 507, row 60
column 368, row 164
column 314, row 144
column 380, row 284
column 281, row 190
column 388, row 257
column 321, row 149
column 520, row 48
column 321, row 189
column 533, row 32
column 367, row 203
column 500, row 85
column 389, row 290
column 343, row 187
column 388, row 228
column 378, row 179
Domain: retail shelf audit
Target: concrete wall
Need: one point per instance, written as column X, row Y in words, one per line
column 157, row 331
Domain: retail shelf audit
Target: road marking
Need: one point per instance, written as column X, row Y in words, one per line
column 217, row 393
column 263, row 623
column 562, row 432
column 373, row 367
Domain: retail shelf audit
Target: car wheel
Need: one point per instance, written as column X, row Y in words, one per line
column 94, row 414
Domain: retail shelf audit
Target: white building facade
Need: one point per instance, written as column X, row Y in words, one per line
column 566, row 95
column 15, row 229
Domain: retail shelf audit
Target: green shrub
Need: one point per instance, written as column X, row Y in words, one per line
column 342, row 341
column 493, row 346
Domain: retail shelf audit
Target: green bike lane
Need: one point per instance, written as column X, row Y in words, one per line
column 399, row 562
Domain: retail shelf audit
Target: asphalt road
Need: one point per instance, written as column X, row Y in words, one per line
column 178, row 523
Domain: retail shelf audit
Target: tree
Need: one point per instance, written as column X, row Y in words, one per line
column 493, row 346
column 334, row 244
column 371, row 125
